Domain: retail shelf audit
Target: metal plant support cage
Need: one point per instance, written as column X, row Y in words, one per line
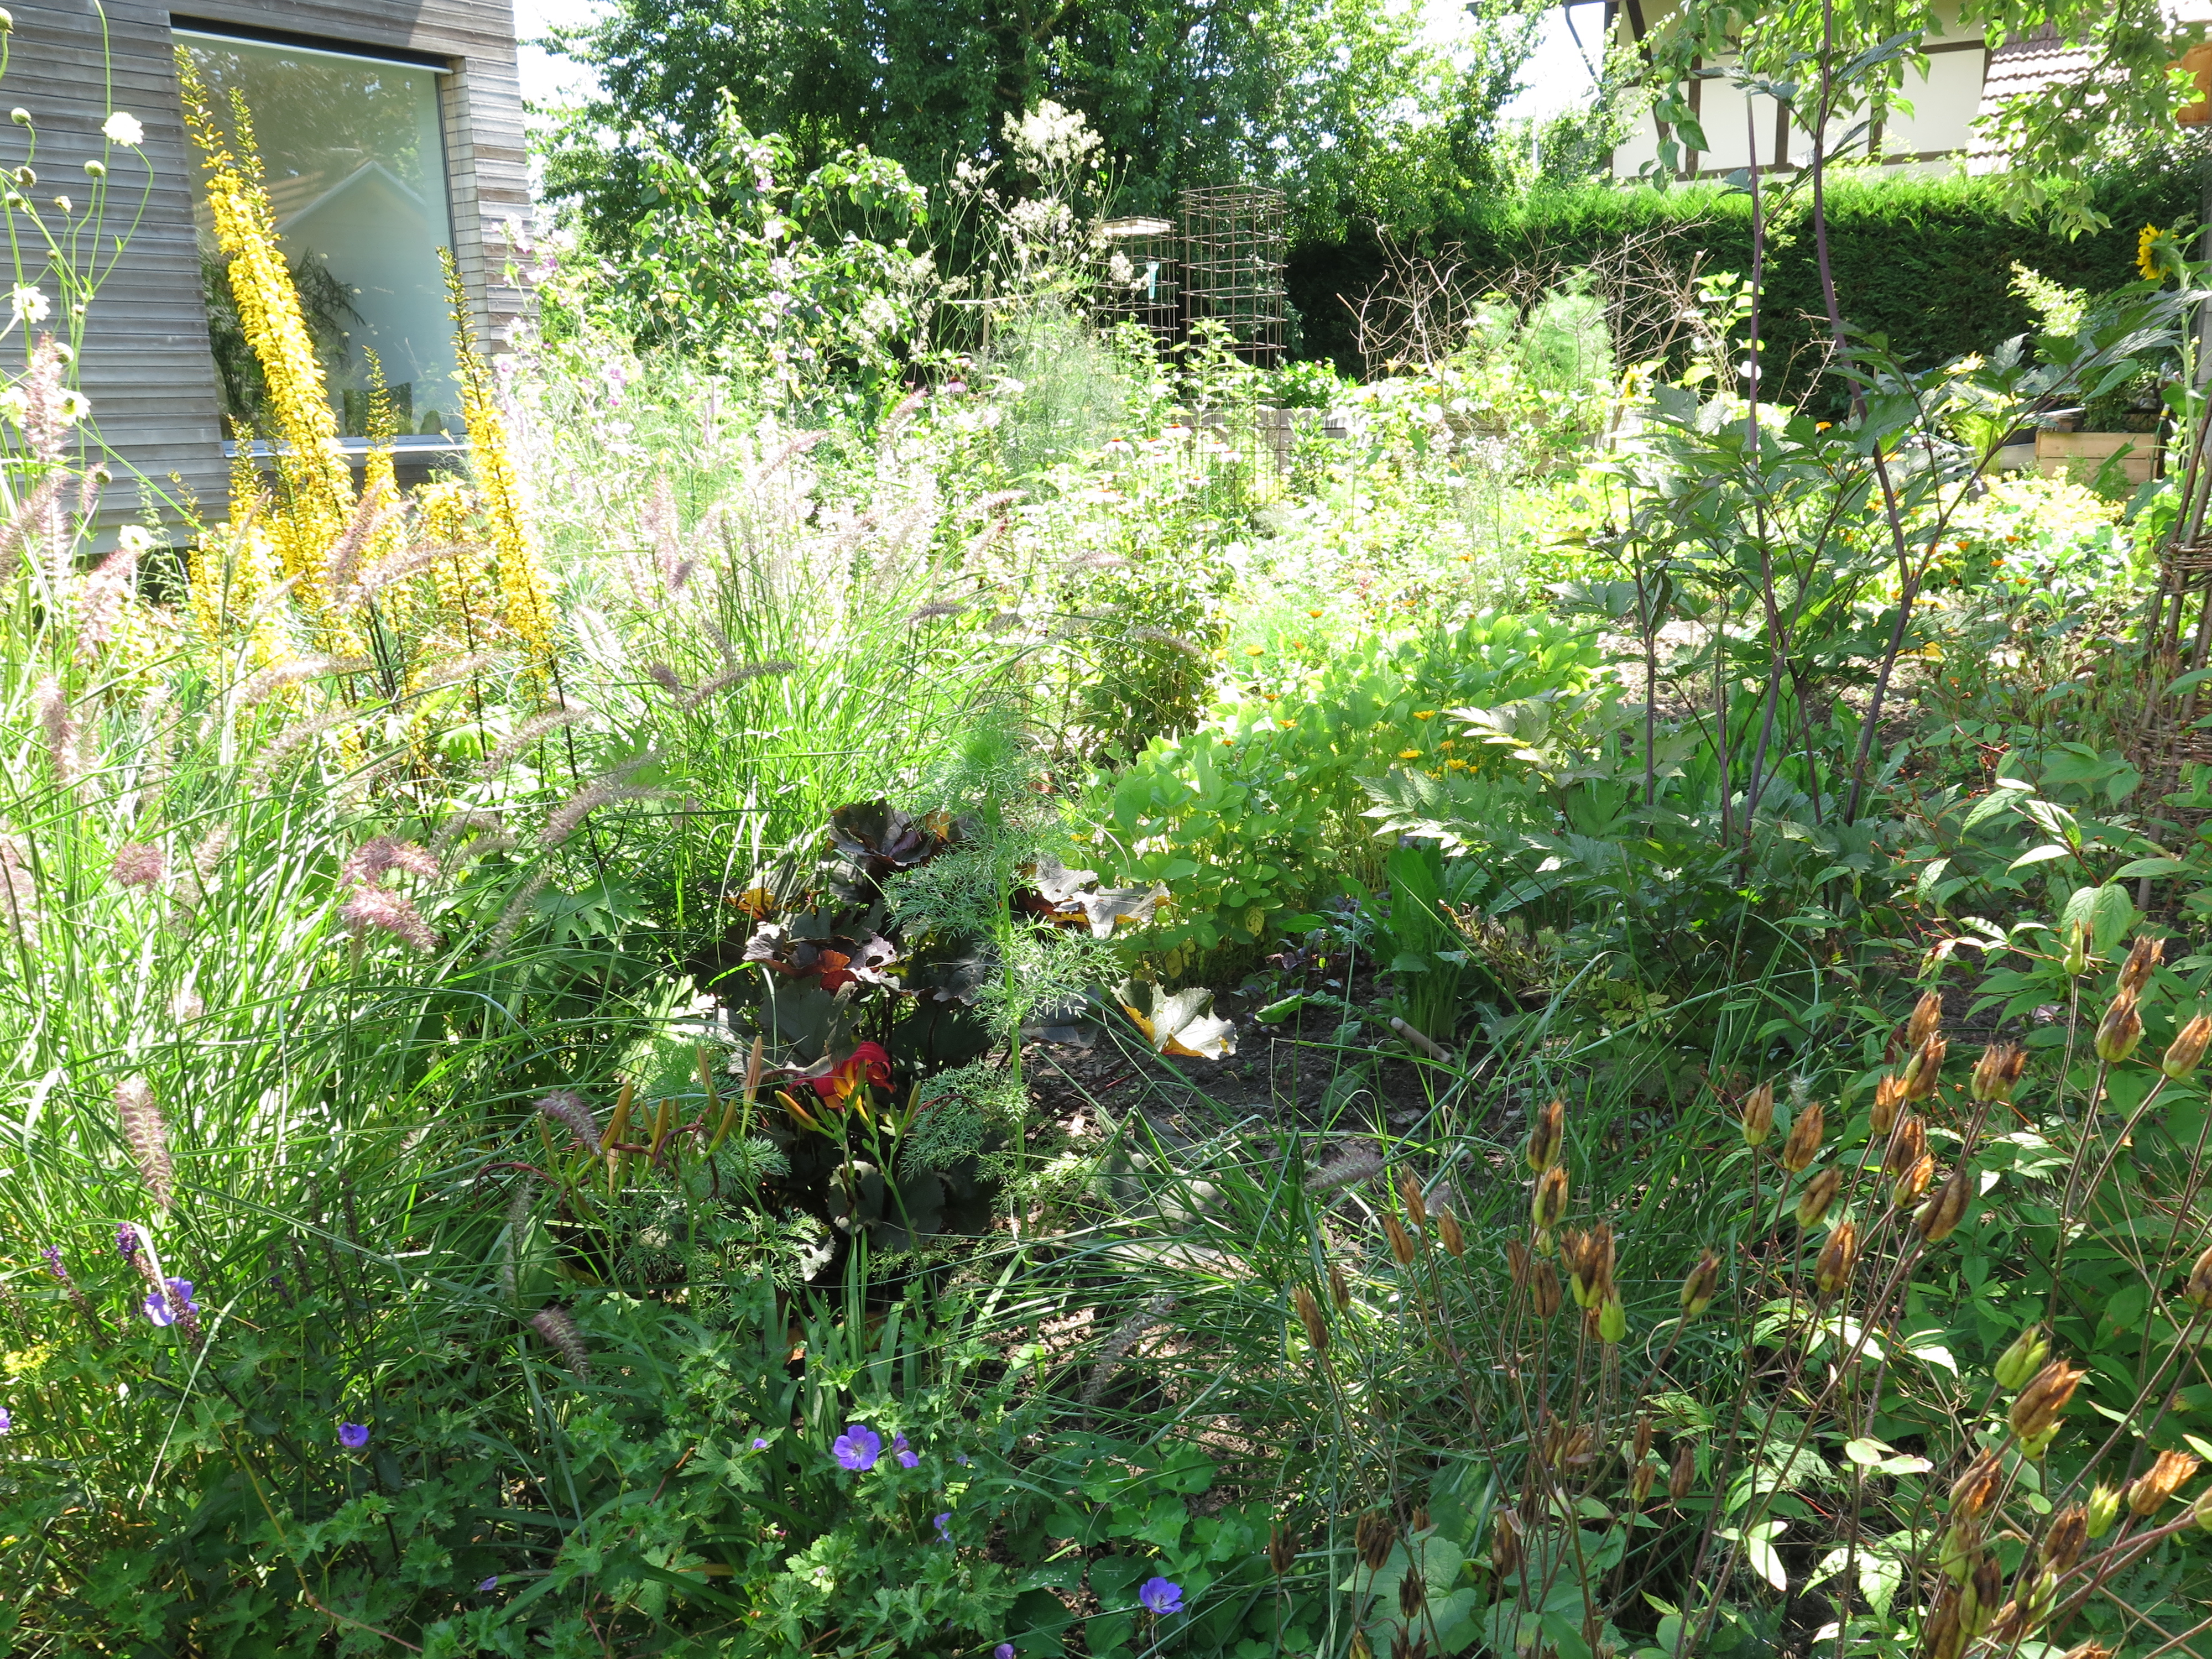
column 2178, row 640
column 1233, row 238
column 1141, row 282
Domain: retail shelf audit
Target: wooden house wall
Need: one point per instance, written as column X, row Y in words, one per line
column 146, row 367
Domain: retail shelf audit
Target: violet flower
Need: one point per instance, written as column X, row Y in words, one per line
column 759, row 1444
column 353, row 1435
column 126, row 1241
column 858, row 1448
column 7, row 1421
column 1160, row 1596
column 489, row 1585
column 165, row 1308
column 906, row 1455
column 944, row 1525
column 1004, row 1650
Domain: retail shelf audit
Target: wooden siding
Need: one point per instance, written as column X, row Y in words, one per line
column 146, row 366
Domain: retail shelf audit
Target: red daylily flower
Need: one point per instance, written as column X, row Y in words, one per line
column 867, row 1064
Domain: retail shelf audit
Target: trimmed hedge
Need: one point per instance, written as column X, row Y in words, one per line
column 1927, row 262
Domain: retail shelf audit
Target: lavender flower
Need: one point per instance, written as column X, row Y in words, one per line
column 759, row 1444
column 167, row 1307
column 147, row 1133
column 126, row 1241
column 906, row 1455
column 944, row 1524
column 1160, row 1596
column 1004, row 1650
column 489, row 1585
column 53, row 1255
column 135, row 864
column 560, row 1332
column 353, row 1435
column 858, row 1448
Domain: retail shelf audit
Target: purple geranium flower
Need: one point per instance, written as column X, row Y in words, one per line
column 167, row 1308
column 759, row 1444
column 7, row 1421
column 944, row 1522
column 489, row 1585
column 858, row 1448
column 1004, row 1650
column 1159, row 1595
column 353, row 1435
column 906, row 1455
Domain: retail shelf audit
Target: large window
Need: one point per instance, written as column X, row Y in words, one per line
column 355, row 165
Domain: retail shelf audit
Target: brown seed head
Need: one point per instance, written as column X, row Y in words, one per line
column 1359, row 1647
column 1888, row 1100
column 1550, row 1202
column 1516, row 1260
column 2040, row 1404
column 1946, row 1207
column 1282, row 1548
column 1684, row 1472
column 1925, row 1069
column 1413, row 1596
column 1972, row 1492
column 1544, row 1136
column 1914, row 1181
column 1309, row 1316
column 1589, row 1258
column 1340, row 1288
column 1803, row 1144
column 1544, row 1289
column 1409, row 1190
column 2198, row 1292
column 1640, row 1483
column 1838, row 1256
column 2064, row 1543
column 2143, row 958
column 1504, row 1544
column 1983, row 1592
column 2120, row 1030
column 1455, row 1241
column 1927, row 1019
column 1908, row 1144
column 1372, row 1535
column 1402, row 1244
column 1820, row 1193
column 2160, row 1481
column 2186, row 1052
column 1700, row 1286
column 1998, row 1071
column 1639, row 1446
column 1758, row 1115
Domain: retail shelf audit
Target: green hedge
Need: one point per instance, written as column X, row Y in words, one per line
column 1927, row 262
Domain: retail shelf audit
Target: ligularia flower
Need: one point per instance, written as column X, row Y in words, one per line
column 121, row 129
column 30, row 303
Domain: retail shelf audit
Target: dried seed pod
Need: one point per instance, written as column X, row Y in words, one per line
column 1589, row 1260
column 2045, row 1399
column 1998, row 1071
column 1550, row 1202
column 1516, row 1260
column 1914, row 1181
column 1908, row 1145
column 1927, row 1019
column 1684, row 1472
column 1282, row 1548
column 1925, row 1069
column 2201, row 1510
column 1639, row 1447
column 1409, row 1191
column 1838, row 1256
column 2089, row 1650
column 1455, row 1240
column 1946, row 1207
column 2160, row 1481
column 1803, row 1144
column 1566, row 1447
column 2120, row 1030
column 2186, row 1052
column 1888, row 1101
column 1946, row 1637
column 1757, row 1112
column 2063, row 1543
column 1700, row 1286
column 1359, row 1648
column 2197, row 1292
column 1544, row 1289
column 2143, row 958
column 1401, row 1243
column 1413, row 1596
column 1819, row 1194
column 1545, row 1134
column 1640, row 1483
column 1504, row 1544
column 1340, row 1288
column 1972, row 1492
column 1372, row 1535
column 1309, row 1316
column 1981, row 1596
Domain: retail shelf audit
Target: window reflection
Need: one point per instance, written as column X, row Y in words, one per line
column 355, row 161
